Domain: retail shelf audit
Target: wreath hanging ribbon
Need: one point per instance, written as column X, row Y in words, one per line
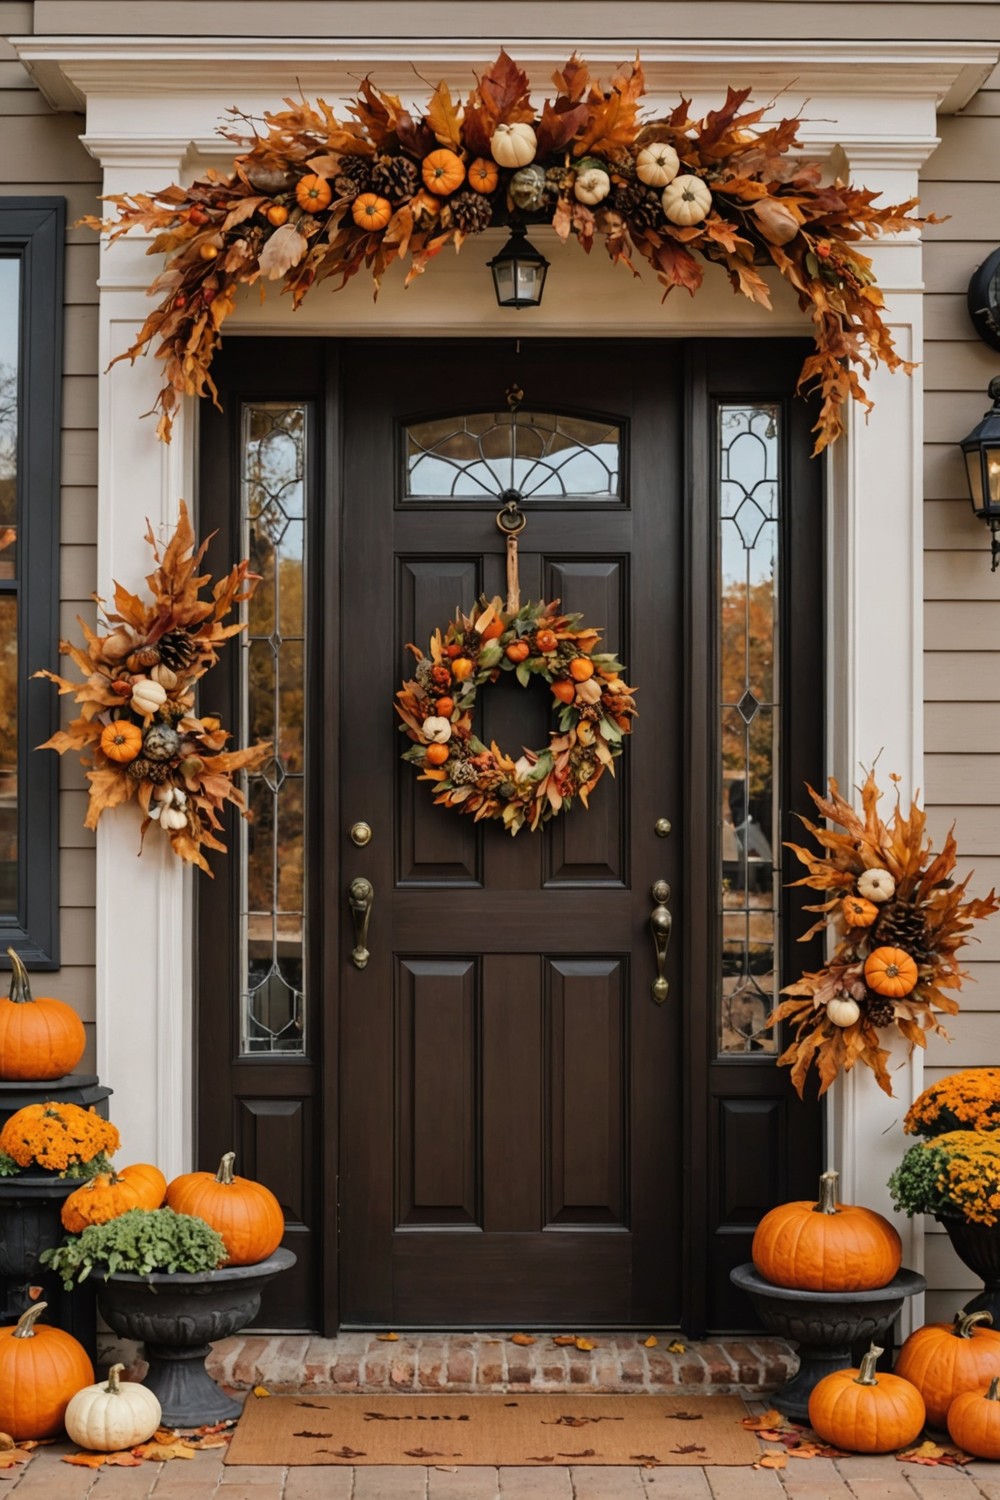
column 596, row 706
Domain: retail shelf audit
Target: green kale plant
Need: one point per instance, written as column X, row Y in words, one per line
column 141, row 1241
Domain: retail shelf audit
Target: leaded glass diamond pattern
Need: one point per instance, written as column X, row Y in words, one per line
column 274, row 662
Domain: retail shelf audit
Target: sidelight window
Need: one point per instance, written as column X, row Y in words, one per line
column 273, row 846
column 749, row 722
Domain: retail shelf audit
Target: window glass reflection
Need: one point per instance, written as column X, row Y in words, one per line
column 10, row 300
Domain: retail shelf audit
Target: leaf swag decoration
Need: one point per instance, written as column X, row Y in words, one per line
column 138, row 731
column 898, row 918
column 312, row 196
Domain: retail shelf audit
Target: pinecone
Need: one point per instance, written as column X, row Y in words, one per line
column 559, row 178
column 142, row 769
column 423, row 674
column 880, row 1012
column 177, row 650
column 395, row 177
column 900, row 924
column 648, row 210
column 621, row 163
column 358, row 169
column 346, row 187
column 462, row 774
column 471, row 212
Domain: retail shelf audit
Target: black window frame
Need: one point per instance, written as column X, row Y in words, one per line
column 33, row 231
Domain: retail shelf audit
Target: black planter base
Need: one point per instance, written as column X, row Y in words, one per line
column 178, row 1317
column 824, row 1325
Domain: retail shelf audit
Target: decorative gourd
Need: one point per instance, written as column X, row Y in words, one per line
column 974, row 1421
column 161, row 742
column 121, row 741
column 687, row 200
column 483, row 175
column 436, row 755
column 437, row 730
column 245, row 1213
column 890, row 971
column 658, row 164
column 277, row 215
column 369, row 211
column 443, row 171
column 108, row 1418
column 564, row 690
column 943, row 1360
column 842, row 1010
column 513, row 145
column 41, row 1369
column 876, row 885
column 40, row 1038
column 592, row 185
column 864, row 1412
column 826, row 1246
column 527, row 188
column 858, row 912
column 110, row 1194
column 147, row 696
column 313, row 194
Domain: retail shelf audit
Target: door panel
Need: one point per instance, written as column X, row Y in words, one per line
column 510, row 1091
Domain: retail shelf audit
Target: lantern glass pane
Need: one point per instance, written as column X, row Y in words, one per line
column 503, row 280
column 974, row 470
column 992, row 456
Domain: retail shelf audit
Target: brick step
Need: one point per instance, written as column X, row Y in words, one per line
column 619, row 1362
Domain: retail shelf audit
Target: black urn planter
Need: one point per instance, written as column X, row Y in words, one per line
column 30, row 1206
column 178, row 1316
column 978, row 1247
column 824, row 1325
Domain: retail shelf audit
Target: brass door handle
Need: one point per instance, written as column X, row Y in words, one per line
column 360, row 895
column 661, row 923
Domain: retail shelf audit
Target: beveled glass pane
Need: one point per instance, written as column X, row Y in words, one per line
column 10, row 319
column 274, row 665
column 748, row 720
column 8, row 755
column 541, row 454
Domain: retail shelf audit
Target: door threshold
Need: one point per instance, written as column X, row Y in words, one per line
column 489, row 1362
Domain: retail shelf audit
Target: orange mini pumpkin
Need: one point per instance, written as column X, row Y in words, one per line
column 545, row 641
column 581, row 668
column 40, row 1038
column 945, row 1359
column 518, row 651
column 444, row 707
column 865, row 1412
column 245, row 1213
column 974, row 1421
column 462, row 668
column 564, row 690
column 858, row 912
column 826, row 1246
column 483, row 175
column 369, row 211
column 41, row 1369
column 436, row 755
column 890, row 971
column 121, row 740
column 443, row 171
column 313, row 193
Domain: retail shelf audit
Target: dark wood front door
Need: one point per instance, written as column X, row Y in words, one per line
column 510, row 1091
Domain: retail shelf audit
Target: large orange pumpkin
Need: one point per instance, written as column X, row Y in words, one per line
column 974, row 1421
column 864, row 1412
column 826, row 1246
column 945, row 1359
column 40, row 1038
column 109, row 1194
column 41, row 1368
column 245, row 1213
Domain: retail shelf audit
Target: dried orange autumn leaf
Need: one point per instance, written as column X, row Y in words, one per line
column 564, row 1339
column 123, row 1460
column 651, row 1342
column 676, row 1348
column 584, row 1344
column 387, row 1338
column 260, row 1390
column 773, row 1461
column 524, row 1339
column 159, row 1451
column 767, row 1420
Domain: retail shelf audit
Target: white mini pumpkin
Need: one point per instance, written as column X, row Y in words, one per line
column 592, row 186
column 842, row 1010
column 658, row 164
column 437, row 730
column 513, row 145
column 687, row 200
column 108, row 1418
column 876, row 885
column 147, row 696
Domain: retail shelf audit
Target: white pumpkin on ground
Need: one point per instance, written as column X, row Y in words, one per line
column 111, row 1416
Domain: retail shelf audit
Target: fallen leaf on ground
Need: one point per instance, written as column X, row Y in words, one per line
column 388, row 1338
column 933, row 1455
column 677, row 1348
column 765, row 1421
column 344, row 1452
column 220, row 1440
column 651, row 1342
column 583, row 1453
column 648, row 1460
column 773, row 1461
column 562, row 1339
column 585, row 1345
column 524, row 1339
column 160, row 1451
column 12, row 1457
column 96, row 1460
column 428, row 1453
column 683, row 1416
column 260, row 1390
column 688, row 1448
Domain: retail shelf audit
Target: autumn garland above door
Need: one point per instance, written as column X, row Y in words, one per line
column 313, row 196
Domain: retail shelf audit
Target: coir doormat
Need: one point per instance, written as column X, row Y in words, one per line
column 502, row 1430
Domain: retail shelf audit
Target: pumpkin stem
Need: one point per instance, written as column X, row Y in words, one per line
column 866, row 1370
column 828, row 1194
column 965, row 1322
column 225, row 1172
column 991, row 1394
column 26, row 1322
column 113, row 1386
column 20, row 990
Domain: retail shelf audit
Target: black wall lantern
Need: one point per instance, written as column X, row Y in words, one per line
column 519, row 271
column 981, row 450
